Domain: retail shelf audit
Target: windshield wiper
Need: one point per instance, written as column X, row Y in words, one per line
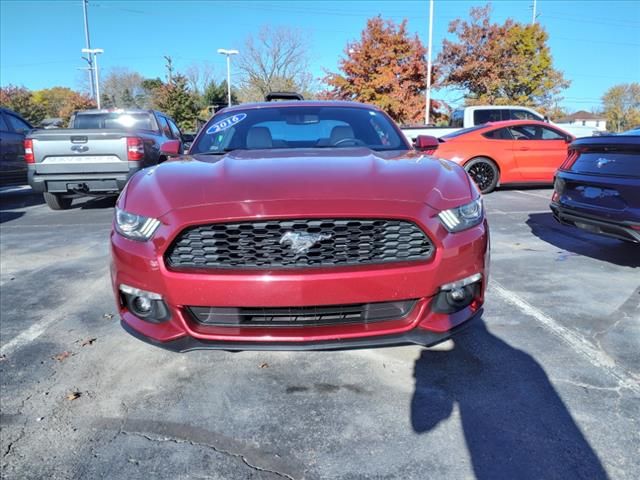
column 220, row 152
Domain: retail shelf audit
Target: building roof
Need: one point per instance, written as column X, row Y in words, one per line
column 581, row 115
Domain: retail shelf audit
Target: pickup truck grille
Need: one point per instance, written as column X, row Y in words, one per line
column 301, row 316
column 291, row 244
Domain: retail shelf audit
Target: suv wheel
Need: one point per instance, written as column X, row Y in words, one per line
column 56, row 201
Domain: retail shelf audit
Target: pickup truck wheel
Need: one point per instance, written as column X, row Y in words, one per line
column 56, row 201
column 484, row 172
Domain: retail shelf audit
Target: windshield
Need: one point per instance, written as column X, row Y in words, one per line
column 298, row 127
column 138, row 121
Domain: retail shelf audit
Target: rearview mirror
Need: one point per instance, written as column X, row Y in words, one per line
column 425, row 142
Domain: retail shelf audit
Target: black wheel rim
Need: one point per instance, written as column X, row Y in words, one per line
column 483, row 174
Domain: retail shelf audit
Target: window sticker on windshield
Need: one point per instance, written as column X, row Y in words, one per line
column 226, row 123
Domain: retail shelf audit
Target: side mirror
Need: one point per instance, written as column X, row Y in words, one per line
column 546, row 119
column 171, row 148
column 425, row 143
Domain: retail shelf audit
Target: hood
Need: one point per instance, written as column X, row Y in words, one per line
column 296, row 174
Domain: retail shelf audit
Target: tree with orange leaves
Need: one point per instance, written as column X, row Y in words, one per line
column 386, row 68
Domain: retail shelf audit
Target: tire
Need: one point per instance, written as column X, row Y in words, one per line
column 56, row 201
column 484, row 172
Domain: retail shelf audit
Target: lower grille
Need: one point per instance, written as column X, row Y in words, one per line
column 301, row 316
column 280, row 244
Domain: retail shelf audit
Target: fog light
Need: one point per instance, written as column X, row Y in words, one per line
column 145, row 305
column 455, row 296
column 142, row 304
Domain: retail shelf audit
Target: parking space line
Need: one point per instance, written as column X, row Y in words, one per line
column 572, row 339
column 501, row 212
column 71, row 307
column 546, row 197
column 28, row 336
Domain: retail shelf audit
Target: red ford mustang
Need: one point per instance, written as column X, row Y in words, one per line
column 514, row 151
column 299, row 225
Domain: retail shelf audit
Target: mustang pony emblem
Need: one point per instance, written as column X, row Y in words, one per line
column 601, row 162
column 301, row 242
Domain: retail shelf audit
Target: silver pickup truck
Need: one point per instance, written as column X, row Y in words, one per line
column 98, row 153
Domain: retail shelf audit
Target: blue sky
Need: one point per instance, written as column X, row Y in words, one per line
column 596, row 43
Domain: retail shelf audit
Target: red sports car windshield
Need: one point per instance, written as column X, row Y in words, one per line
column 298, row 127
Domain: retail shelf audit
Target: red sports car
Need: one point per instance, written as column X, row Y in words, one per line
column 514, row 151
column 299, row 225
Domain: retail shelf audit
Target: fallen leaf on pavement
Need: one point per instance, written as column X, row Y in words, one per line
column 88, row 341
column 264, row 365
column 73, row 395
column 108, row 316
column 61, row 356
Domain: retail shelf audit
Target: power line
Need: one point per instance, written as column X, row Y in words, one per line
column 594, row 21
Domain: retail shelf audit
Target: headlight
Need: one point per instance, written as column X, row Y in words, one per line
column 135, row 227
column 461, row 218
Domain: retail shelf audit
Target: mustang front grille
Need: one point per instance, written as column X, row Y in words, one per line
column 301, row 316
column 279, row 244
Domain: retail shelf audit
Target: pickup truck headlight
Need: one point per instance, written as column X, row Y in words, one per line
column 463, row 217
column 135, row 227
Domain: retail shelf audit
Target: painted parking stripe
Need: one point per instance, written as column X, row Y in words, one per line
column 28, row 336
column 533, row 194
column 575, row 341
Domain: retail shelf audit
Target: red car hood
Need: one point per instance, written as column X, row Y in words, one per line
column 297, row 175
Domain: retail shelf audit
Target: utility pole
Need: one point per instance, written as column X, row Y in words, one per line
column 228, row 54
column 95, row 52
column 169, row 66
column 533, row 18
column 87, row 40
column 428, row 100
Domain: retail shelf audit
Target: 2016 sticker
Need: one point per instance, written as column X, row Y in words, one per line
column 226, row 123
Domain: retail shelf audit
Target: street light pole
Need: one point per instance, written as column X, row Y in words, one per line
column 228, row 54
column 87, row 40
column 428, row 101
column 533, row 19
column 95, row 52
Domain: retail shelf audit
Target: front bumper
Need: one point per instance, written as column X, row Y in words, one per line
column 594, row 224
column 141, row 265
column 420, row 337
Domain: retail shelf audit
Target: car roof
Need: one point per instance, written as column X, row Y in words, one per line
column 497, row 107
column 95, row 111
column 299, row 103
column 513, row 123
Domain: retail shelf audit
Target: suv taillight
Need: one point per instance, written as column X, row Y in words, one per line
column 28, row 151
column 135, row 149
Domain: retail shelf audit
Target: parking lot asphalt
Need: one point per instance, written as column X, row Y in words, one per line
column 545, row 385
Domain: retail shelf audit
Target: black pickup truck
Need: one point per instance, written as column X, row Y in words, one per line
column 98, row 153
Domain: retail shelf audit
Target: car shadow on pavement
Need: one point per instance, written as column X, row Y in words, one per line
column 95, row 203
column 572, row 239
column 11, row 203
column 8, row 216
column 13, row 200
column 515, row 424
